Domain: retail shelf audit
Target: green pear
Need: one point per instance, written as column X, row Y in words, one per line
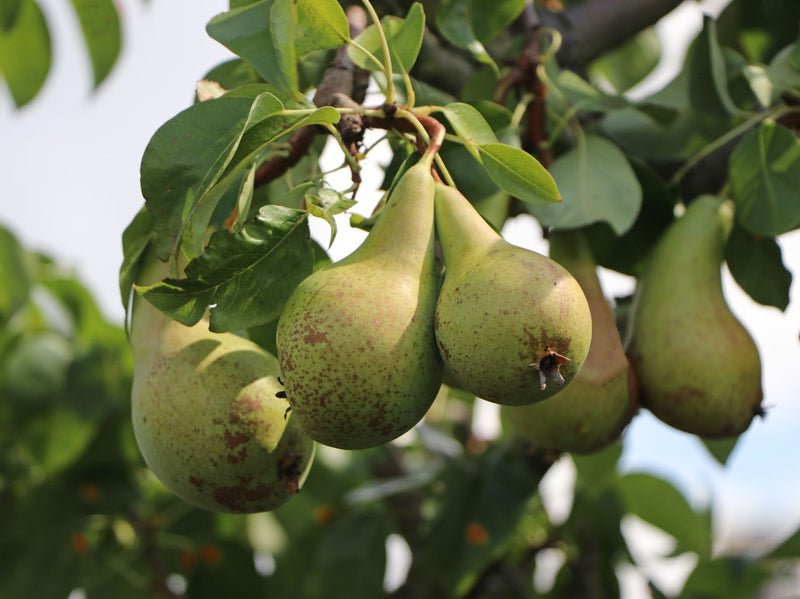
column 698, row 367
column 205, row 412
column 594, row 409
column 355, row 339
column 513, row 327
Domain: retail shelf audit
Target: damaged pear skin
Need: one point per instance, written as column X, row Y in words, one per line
column 594, row 409
column 698, row 367
column 206, row 416
column 355, row 339
column 513, row 327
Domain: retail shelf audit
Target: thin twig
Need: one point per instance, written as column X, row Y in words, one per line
column 342, row 85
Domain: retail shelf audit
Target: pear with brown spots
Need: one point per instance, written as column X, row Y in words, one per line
column 513, row 327
column 205, row 412
column 602, row 398
column 698, row 367
column 355, row 339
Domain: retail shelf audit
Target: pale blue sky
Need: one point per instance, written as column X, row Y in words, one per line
column 69, row 166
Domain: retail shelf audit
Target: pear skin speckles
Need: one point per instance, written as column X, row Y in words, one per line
column 207, row 419
column 500, row 307
column 679, row 314
column 500, row 313
column 355, row 340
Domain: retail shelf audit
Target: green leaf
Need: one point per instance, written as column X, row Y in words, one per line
column 89, row 327
column 135, row 238
column 628, row 253
column 327, row 203
column 9, row 11
column 484, row 498
column 36, row 368
column 58, row 439
column 582, row 95
column 626, row 65
column 233, row 73
column 720, row 449
column 244, row 199
column 708, row 79
column 597, row 469
column 757, row 266
column 262, row 34
column 488, row 19
column 784, row 70
column 596, row 514
column 321, row 25
column 258, row 137
column 248, row 276
column 25, row 53
column 727, row 577
column 99, row 21
column 764, row 173
column 659, row 503
column 598, row 185
column 470, row 125
column 454, row 22
column 761, row 84
column 353, row 548
column 468, row 173
column 404, row 37
column 188, row 154
column 499, row 118
column 213, row 210
column 659, row 133
column 15, row 275
column 518, row 173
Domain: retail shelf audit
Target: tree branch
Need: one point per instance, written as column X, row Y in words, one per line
column 343, row 85
column 587, row 29
column 592, row 28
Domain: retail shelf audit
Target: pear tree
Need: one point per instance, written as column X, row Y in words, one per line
column 272, row 422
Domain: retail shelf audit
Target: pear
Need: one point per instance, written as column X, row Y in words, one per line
column 513, row 327
column 205, row 412
column 698, row 367
column 355, row 339
column 602, row 398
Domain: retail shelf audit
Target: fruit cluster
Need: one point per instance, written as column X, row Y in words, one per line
column 365, row 344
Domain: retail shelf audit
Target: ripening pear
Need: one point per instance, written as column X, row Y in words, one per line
column 355, row 339
column 698, row 368
column 513, row 326
column 594, row 409
column 205, row 412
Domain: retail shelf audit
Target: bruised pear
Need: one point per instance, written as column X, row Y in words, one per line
column 355, row 339
column 699, row 369
column 513, row 327
column 206, row 416
column 594, row 409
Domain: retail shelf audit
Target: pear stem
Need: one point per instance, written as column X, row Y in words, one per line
column 462, row 230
